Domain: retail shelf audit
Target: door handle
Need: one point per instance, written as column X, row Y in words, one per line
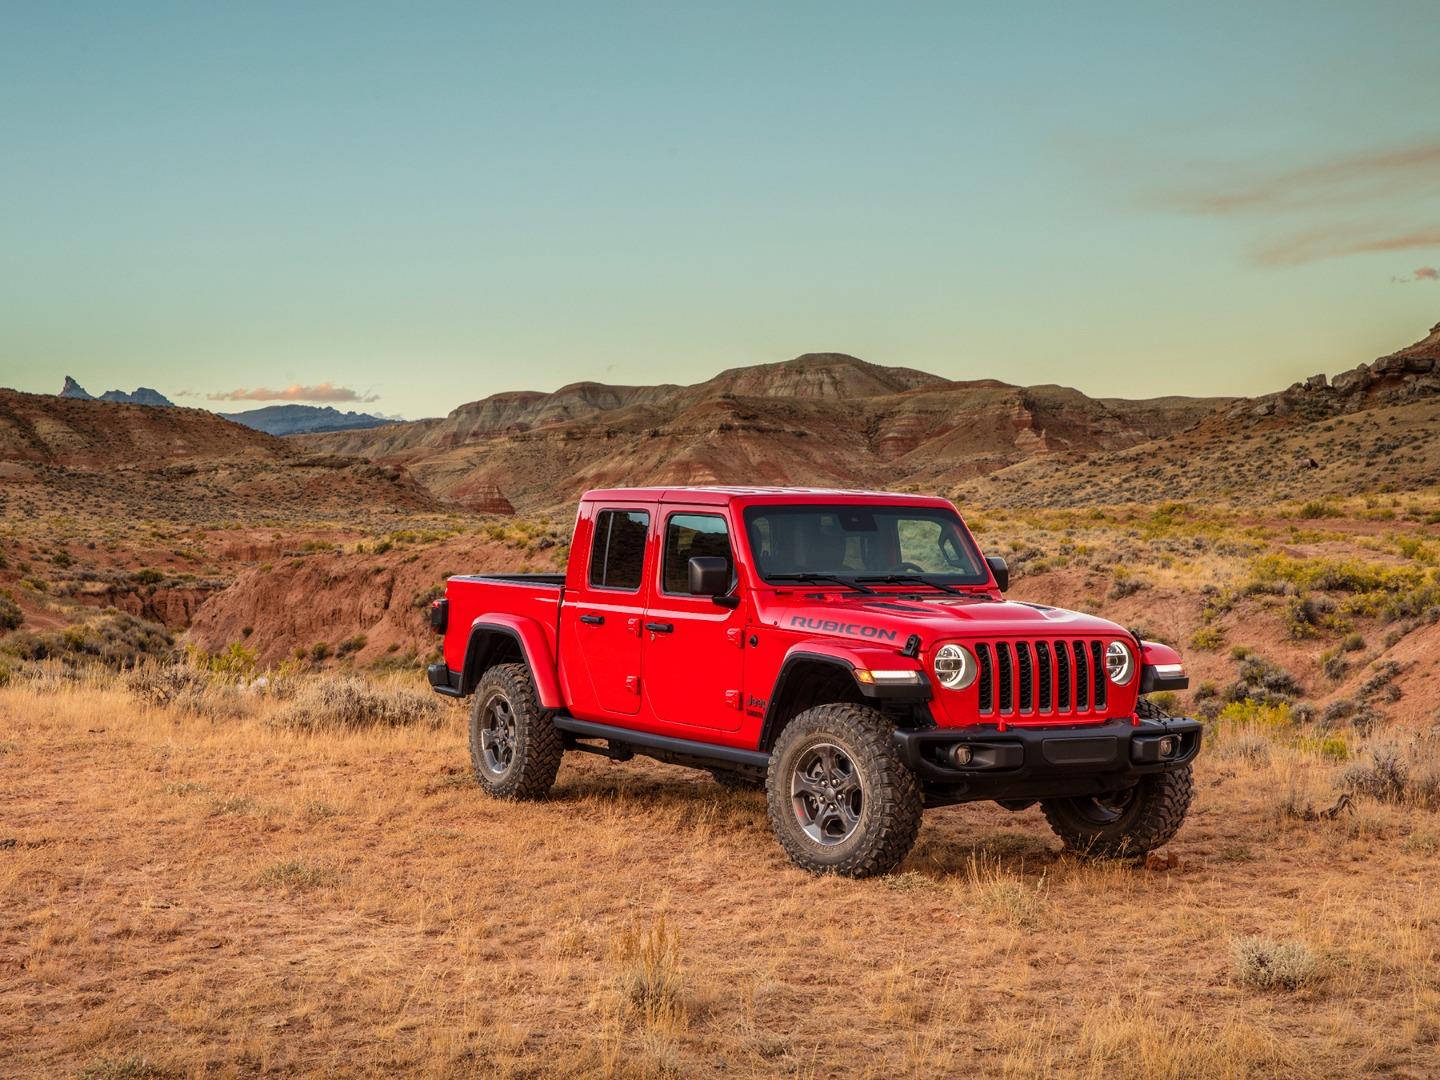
column 593, row 620
column 659, row 627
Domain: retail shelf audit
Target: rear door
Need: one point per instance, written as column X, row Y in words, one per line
column 694, row 648
column 600, row 624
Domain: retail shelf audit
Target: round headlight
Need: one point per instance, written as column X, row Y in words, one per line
column 1119, row 664
column 955, row 667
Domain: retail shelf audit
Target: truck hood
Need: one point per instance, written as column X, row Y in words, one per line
column 886, row 619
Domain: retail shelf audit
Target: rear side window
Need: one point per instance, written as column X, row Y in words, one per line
column 617, row 556
column 688, row 535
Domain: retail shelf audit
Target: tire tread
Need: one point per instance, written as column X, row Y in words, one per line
column 895, row 793
column 541, row 744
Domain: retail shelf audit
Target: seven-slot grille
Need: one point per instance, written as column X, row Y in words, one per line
column 1049, row 677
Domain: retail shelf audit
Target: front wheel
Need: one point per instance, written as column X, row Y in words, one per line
column 839, row 798
column 1124, row 823
column 515, row 748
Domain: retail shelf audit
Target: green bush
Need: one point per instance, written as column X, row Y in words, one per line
column 1208, row 638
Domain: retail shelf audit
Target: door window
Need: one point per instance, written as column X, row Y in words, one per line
column 689, row 535
column 617, row 555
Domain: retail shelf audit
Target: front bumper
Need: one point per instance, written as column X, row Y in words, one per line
column 1044, row 762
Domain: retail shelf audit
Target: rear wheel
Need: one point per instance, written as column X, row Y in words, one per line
column 515, row 749
column 840, row 799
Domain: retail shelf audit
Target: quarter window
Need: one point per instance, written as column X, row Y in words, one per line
column 617, row 555
column 689, row 535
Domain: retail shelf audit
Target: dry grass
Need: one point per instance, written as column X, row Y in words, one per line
column 187, row 896
column 1266, row 964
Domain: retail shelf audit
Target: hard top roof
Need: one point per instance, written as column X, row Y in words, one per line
column 719, row 495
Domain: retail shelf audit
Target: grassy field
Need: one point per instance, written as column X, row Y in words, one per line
column 201, row 877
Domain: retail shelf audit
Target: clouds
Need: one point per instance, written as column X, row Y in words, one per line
column 1377, row 201
column 1337, row 241
column 1342, row 181
column 326, row 392
column 1422, row 273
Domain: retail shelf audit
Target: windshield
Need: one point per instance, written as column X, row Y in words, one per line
column 851, row 542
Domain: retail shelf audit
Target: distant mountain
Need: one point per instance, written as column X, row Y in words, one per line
column 304, row 419
column 821, row 418
column 143, row 462
column 143, row 395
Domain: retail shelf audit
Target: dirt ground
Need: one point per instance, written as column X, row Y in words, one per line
column 196, row 895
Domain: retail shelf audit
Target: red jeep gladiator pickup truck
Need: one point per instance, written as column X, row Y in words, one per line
column 852, row 651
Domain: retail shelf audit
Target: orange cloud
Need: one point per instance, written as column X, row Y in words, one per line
column 1331, row 244
column 1352, row 204
column 1341, row 180
column 320, row 392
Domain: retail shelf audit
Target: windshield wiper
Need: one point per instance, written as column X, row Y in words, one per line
column 849, row 583
column 906, row 579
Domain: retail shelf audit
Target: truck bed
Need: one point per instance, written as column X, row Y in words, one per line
column 475, row 596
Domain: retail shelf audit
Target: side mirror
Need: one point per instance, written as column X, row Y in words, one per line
column 709, row 575
column 998, row 566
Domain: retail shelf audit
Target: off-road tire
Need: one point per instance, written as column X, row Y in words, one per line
column 1150, row 819
column 536, row 746
column 889, row 815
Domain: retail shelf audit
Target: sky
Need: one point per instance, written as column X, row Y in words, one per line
column 403, row 207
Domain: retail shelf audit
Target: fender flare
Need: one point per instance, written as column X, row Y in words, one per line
column 850, row 659
column 529, row 637
column 1161, row 668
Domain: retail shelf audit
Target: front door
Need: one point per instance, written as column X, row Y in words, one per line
column 600, row 627
column 694, row 648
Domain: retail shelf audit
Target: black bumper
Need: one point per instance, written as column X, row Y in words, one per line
column 1044, row 762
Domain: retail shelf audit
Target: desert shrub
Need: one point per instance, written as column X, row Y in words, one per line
column 1395, row 773
column 148, row 576
column 234, row 661
column 1325, row 744
column 1331, row 575
column 115, row 638
column 11, row 617
column 351, row 702
column 190, row 689
column 425, row 597
column 1352, row 643
column 1263, row 963
column 1381, row 685
column 1125, row 584
column 351, row 645
column 1263, row 682
column 320, row 651
column 1208, row 638
column 1318, row 508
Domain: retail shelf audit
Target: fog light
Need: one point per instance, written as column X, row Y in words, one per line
column 961, row 755
column 1169, row 745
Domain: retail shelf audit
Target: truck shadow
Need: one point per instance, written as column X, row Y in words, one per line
column 974, row 845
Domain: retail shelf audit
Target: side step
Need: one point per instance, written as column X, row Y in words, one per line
column 662, row 746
